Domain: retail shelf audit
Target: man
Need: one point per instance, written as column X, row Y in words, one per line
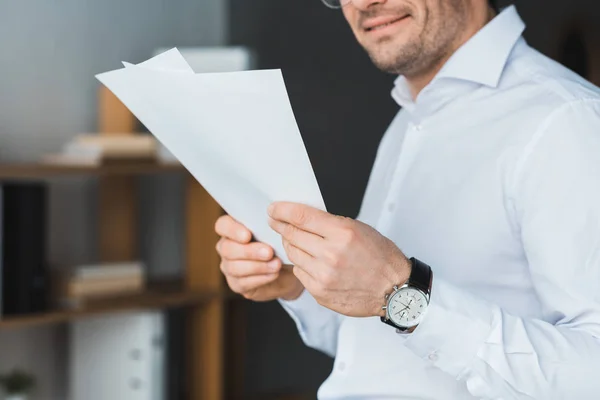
column 478, row 239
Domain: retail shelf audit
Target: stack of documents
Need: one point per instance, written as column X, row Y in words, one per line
column 235, row 132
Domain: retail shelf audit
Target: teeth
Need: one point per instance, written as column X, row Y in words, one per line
column 381, row 26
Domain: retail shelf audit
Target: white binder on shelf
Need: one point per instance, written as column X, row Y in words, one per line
column 118, row 357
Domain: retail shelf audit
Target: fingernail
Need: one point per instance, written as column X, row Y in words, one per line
column 273, row 264
column 243, row 235
column 264, row 252
column 270, row 209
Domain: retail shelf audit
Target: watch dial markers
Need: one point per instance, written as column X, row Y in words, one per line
column 409, row 305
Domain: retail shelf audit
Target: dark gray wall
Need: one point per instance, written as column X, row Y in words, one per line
column 49, row 53
column 343, row 106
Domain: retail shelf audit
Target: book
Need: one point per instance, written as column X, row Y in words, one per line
column 108, row 270
column 95, row 149
column 113, row 146
column 71, row 290
column 76, row 288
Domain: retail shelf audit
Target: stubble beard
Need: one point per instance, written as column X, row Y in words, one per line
column 419, row 54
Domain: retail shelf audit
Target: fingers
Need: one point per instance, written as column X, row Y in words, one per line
column 246, row 286
column 299, row 257
column 246, row 268
column 286, row 284
column 231, row 250
column 306, row 241
column 228, row 227
column 305, row 278
column 305, row 217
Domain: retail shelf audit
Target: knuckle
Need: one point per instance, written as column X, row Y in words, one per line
column 223, row 267
column 247, row 295
column 229, row 269
column 251, row 252
column 245, row 252
column 299, row 216
column 233, row 285
column 287, row 246
column 331, row 257
column 219, row 245
column 348, row 235
column 291, row 251
column 250, row 295
column 328, row 279
column 289, row 231
column 242, row 286
column 225, row 249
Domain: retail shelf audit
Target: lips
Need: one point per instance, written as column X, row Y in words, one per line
column 382, row 22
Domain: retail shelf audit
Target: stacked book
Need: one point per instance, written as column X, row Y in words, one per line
column 99, row 281
column 95, row 150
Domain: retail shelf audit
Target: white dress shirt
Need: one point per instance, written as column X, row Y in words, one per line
column 492, row 177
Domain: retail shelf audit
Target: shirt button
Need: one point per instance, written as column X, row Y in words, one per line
column 419, row 127
column 433, row 357
column 341, row 366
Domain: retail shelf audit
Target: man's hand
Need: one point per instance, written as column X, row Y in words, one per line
column 250, row 268
column 346, row 265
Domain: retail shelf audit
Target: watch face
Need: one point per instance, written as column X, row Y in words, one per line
column 407, row 306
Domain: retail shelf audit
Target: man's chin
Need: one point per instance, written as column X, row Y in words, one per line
column 388, row 64
column 393, row 58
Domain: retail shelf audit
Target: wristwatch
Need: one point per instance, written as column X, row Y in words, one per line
column 407, row 304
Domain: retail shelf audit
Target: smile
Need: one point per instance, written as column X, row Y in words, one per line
column 372, row 27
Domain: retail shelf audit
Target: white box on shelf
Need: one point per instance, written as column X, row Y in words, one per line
column 118, row 357
column 217, row 59
column 207, row 60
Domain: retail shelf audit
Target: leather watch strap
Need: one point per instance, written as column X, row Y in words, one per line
column 420, row 275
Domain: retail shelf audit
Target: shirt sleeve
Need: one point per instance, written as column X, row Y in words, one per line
column 318, row 326
column 556, row 201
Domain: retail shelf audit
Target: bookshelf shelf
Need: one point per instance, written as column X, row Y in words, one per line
column 39, row 170
column 157, row 297
column 209, row 306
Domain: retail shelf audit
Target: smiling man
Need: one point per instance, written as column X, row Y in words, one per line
column 473, row 268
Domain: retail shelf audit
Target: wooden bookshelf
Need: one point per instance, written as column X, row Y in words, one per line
column 42, row 171
column 159, row 297
column 202, row 292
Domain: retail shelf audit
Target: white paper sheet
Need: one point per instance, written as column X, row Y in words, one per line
column 235, row 132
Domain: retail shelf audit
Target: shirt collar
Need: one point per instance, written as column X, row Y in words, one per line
column 482, row 59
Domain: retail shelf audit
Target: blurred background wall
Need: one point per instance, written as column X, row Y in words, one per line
column 49, row 52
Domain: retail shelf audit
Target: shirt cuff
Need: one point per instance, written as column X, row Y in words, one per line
column 304, row 304
column 455, row 325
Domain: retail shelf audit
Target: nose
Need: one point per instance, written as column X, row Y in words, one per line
column 366, row 4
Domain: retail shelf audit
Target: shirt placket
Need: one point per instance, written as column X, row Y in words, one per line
column 408, row 153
